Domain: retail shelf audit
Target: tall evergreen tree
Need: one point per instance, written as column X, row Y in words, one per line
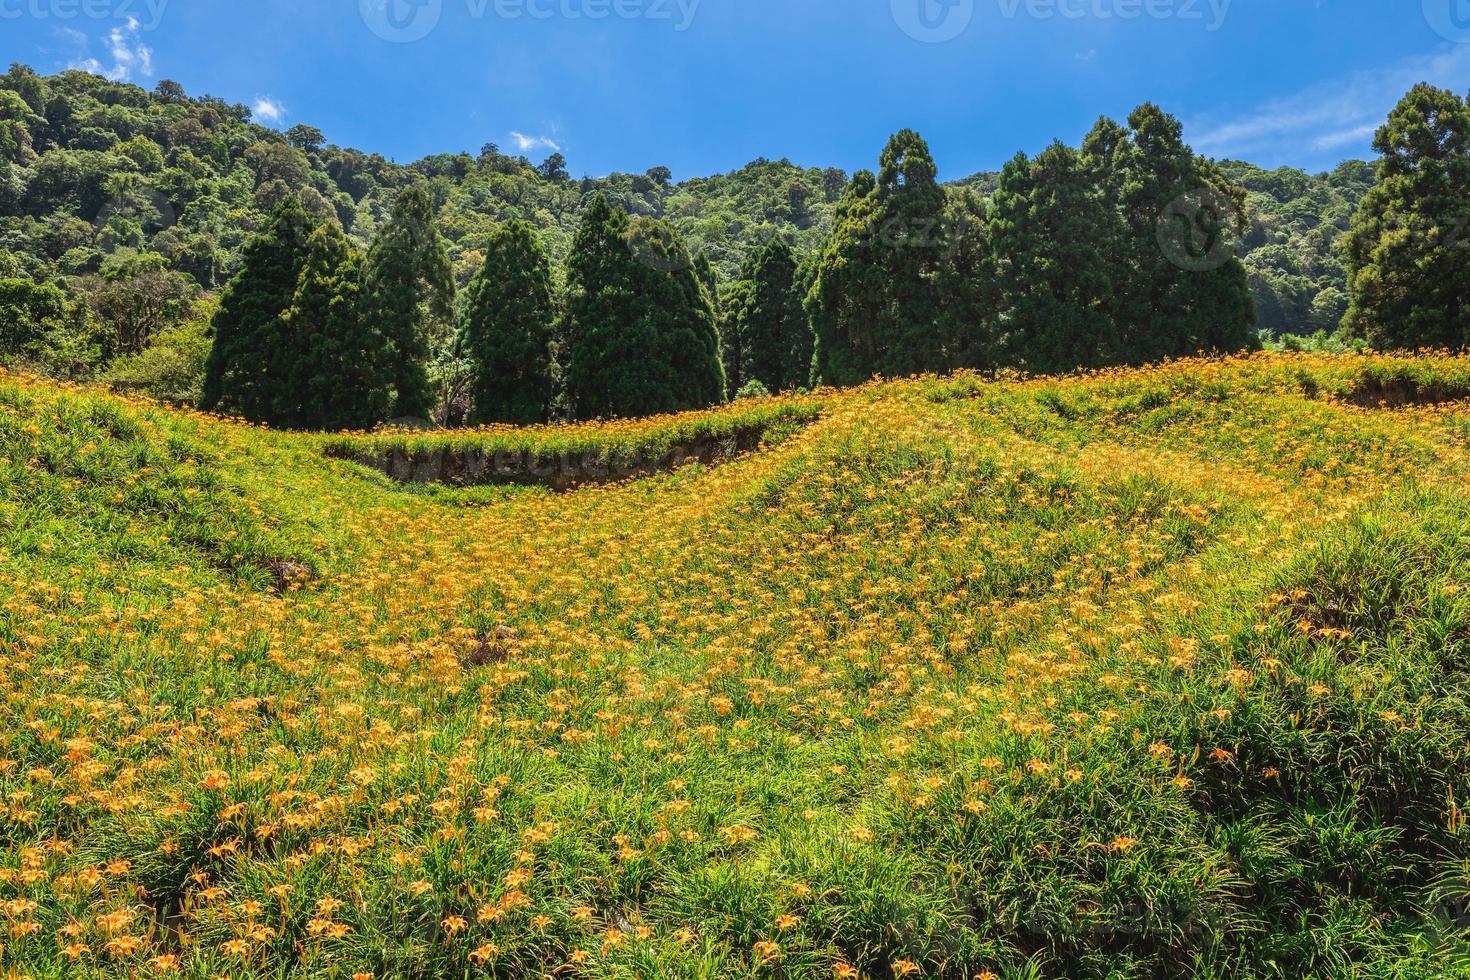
column 733, row 297
column 1187, row 292
column 640, row 324
column 1053, row 280
column 910, row 214
column 408, row 294
column 967, row 327
column 874, row 305
column 848, row 296
column 508, row 328
column 1408, row 252
column 334, row 357
column 243, row 374
column 775, row 338
column 1104, row 163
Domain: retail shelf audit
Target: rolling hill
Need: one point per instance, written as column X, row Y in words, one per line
column 1158, row 672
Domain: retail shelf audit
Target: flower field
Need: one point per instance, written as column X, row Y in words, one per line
column 1144, row 673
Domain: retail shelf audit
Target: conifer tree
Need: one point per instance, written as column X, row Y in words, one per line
column 243, row 374
column 1187, row 292
column 683, row 312
column 1408, row 252
column 334, row 357
column 1053, row 280
column 775, row 338
column 967, row 331
column 910, row 214
column 640, row 324
column 733, row 297
column 508, row 326
column 848, row 296
column 408, row 295
column 874, row 305
column 1103, row 159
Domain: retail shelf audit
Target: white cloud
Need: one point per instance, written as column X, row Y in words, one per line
column 268, row 110
column 1329, row 115
column 129, row 55
column 526, row 144
column 1358, row 134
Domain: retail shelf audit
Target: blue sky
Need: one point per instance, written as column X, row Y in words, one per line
column 703, row 86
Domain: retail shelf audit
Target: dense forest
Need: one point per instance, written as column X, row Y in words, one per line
column 125, row 215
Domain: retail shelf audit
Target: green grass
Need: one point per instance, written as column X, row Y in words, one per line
column 1157, row 673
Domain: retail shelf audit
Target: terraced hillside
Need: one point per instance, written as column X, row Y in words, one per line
column 1155, row 673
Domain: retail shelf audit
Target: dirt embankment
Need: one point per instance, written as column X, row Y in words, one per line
column 563, row 470
column 1402, row 392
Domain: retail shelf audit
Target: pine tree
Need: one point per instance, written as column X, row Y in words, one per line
column 334, row 355
column 1053, row 279
column 1408, row 252
column 1103, row 160
column 243, row 374
column 733, row 297
column 640, row 324
column 874, row 305
column 408, row 295
column 1187, row 293
column 967, row 326
column 910, row 214
column 508, row 326
column 849, row 296
column 683, row 312
column 775, row 338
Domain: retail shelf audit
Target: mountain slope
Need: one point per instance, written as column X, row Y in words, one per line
column 88, row 167
column 1153, row 672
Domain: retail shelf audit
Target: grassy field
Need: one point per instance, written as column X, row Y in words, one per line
column 1143, row 674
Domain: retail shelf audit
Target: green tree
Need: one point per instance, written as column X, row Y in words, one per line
column 243, row 375
column 16, row 120
column 1053, row 280
column 913, row 242
column 408, row 295
column 1408, row 253
column 733, row 297
column 136, row 296
column 640, row 325
column 1185, row 292
column 334, row 355
column 848, row 294
column 508, row 326
column 874, row 305
column 775, row 337
column 171, row 367
column 36, row 320
column 967, row 327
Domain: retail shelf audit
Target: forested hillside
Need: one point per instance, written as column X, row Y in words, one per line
column 91, row 167
column 1290, row 250
column 92, row 172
